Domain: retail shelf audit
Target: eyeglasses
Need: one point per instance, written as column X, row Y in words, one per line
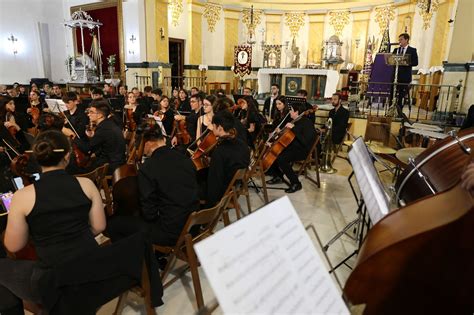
column 193, row 101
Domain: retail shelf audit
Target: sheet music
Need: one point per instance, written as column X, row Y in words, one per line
column 159, row 122
column 369, row 183
column 266, row 263
column 55, row 105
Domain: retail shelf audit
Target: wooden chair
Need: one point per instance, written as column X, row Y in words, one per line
column 378, row 129
column 311, row 158
column 238, row 186
column 183, row 250
column 142, row 290
column 256, row 170
column 98, row 176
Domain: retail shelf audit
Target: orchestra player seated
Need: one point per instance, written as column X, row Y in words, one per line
column 168, row 193
column 106, row 141
column 297, row 150
column 229, row 155
column 60, row 213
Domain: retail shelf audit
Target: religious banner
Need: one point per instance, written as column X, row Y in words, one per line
column 242, row 60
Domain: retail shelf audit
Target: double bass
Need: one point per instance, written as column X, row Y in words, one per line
column 419, row 259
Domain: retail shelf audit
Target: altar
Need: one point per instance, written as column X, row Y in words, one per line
column 318, row 82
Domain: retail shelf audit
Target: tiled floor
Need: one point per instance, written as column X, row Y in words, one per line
column 329, row 209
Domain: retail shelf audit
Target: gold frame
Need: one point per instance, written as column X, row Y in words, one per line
column 103, row 5
column 269, row 49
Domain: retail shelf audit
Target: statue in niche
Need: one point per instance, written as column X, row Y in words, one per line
column 272, row 57
column 295, row 63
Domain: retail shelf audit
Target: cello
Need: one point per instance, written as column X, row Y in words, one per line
column 278, row 141
column 200, row 155
column 419, row 259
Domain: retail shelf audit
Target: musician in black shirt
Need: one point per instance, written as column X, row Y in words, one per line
column 305, row 135
column 340, row 119
column 106, row 141
column 168, row 188
column 77, row 118
column 229, row 155
column 192, row 119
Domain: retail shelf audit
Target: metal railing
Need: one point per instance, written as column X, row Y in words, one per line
column 432, row 103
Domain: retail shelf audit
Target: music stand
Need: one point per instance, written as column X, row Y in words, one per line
column 293, row 100
column 397, row 60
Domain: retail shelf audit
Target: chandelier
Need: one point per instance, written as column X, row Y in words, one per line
column 427, row 8
column 176, row 8
column 339, row 20
column 251, row 18
column 212, row 13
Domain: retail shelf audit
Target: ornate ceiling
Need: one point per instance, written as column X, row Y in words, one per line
column 304, row 5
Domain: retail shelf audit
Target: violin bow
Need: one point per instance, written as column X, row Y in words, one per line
column 67, row 120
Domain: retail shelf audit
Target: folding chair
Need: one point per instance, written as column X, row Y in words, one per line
column 311, row 158
column 238, row 186
column 98, row 176
column 256, row 170
column 183, row 250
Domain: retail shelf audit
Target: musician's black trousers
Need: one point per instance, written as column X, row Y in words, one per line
column 18, row 280
column 283, row 164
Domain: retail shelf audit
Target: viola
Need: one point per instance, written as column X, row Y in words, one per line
column 131, row 123
column 35, row 114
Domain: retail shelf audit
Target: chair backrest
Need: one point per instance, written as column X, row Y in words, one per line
column 239, row 175
column 378, row 129
column 97, row 175
column 125, row 190
column 207, row 218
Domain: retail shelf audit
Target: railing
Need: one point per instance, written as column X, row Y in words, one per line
column 182, row 82
column 141, row 81
column 432, row 103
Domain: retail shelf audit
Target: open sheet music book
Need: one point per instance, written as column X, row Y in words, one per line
column 367, row 177
column 55, row 105
column 265, row 263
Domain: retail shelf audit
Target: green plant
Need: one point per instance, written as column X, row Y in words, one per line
column 111, row 60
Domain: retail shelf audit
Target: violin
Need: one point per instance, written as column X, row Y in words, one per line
column 131, row 123
column 278, row 141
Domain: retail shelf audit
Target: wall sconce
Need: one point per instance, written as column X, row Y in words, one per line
column 162, row 33
column 13, row 39
column 132, row 39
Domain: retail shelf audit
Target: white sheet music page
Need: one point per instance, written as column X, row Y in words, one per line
column 266, row 263
column 369, row 183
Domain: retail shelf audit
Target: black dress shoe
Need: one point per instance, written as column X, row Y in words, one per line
column 274, row 180
column 293, row 188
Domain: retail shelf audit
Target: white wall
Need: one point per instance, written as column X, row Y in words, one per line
column 134, row 24
column 213, row 43
column 21, row 18
column 182, row 29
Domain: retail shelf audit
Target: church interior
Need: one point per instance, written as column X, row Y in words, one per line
column 359, row 112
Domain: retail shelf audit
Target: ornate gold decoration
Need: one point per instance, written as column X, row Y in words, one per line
column 294, row 21
column 212, row 13
column 383, row 16
column 339, row 19
column 176, row 8
column 427, row 8
column 251, row 18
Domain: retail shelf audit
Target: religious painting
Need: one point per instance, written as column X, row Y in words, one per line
column 271, row 56
column 292, row 85
column 242, row 60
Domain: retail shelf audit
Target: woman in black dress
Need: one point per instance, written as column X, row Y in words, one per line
column 60, row 213
column 248, row 116
column 282, row 113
